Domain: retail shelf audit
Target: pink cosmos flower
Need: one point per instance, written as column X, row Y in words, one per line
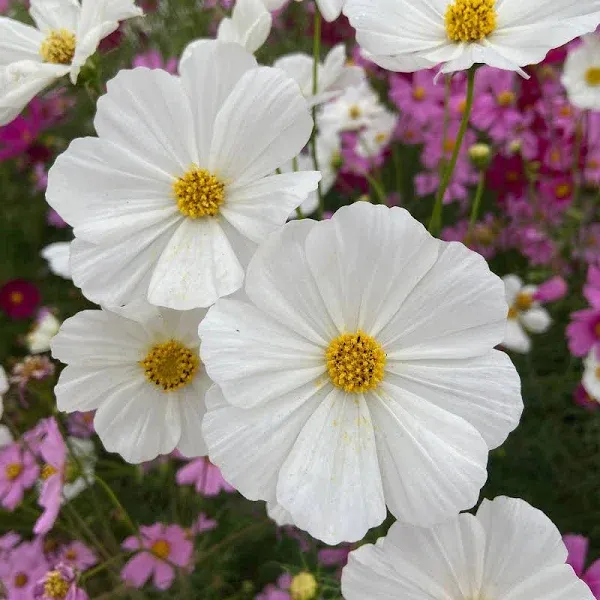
column 23, row 569
column 577, row 546
column 77, row 555
column 81, row 424
column 592, row 288
column 59, row 584
column 552, row 290
column 19, row 299
column 202, row 524
column 18, row 472
column 7, row 542
column 277, row 591
column 205, row 476
column 419, row 97
column 54, row 219
column 153, row 60
column 157, row 544
column 583, row 399
column 583, row 332
column 334, row 557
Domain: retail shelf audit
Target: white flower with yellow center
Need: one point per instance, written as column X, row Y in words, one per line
column 44, row 329
column 591, row 375
column 58, row 257
column 525, row 315
column 249, row 25
column 409, row 35
column 377, row 135
column 139, row 367
column 66, row 34
column 581, row 75
column 508, row 551
column 360, row 373
column 173, row 197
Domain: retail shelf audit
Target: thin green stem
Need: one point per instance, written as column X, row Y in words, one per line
column 435, row 224
column 477, row 202
column 118, row 505
column 315, row 90
column 377, row 188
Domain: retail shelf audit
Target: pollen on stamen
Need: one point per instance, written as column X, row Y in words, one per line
column 592, row 76
column 470, row 20
column 59, row 47
column 199, row 193
column 355, row 362
column 170, row 365
column 56, row 586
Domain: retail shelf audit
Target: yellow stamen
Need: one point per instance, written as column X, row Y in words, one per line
column 355, row 362
column 48, row 471
column 354, row 112
column 20, row 580
column 419, row 93
column 170, row 365
column 16, row 297
column 13, row 470
column 470, row 20
column 563, row 191
column 592, row 76
column 523, row 301
column 161, row 549
column 58, row 47
column 506, row 98
column 199, row 193
column 512, row 313
column 55, row 586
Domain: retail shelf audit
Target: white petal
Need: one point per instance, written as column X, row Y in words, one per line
column 557, row 583
column 193, row 408
column 55, row 14
column 433, row 463
column 330, row 9
column 253, row 358
column 513, row 285
column 250, row 25
column 58, row 256
column 330, row 483
column 18, row 42
column 197, row 267
column 536, row 320
column 515, row 338
column 485, row 391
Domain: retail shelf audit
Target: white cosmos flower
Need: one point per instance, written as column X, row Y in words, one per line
column 4, row 385
column 377, row 135
column 525, row 314
column 139, row 367
column 591, row 375
column 66, row 34
column 249, row 25
column 58, row 257
column 45, row 328
column 330, row 9
column 172, row 198
column 83, row 469
column 334, row 75
column 360, row 373
column 581, row 76
column 409, row 35
column 508, row 551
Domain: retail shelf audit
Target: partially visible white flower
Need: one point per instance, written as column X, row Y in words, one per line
column 508, row 551
column 6, row 437
column 67, row 33
column 4, row 385
column 139, row 367
column 356, row 108
column 591, row 375
column 79, row 474
column 44, row 329
column 249, row 25
column 525, row 314
column 377, row 135
column 581, row 75
column 172, row 198
column 58, row 257
column 330, row 9
column 410, row 35
column 334, row 75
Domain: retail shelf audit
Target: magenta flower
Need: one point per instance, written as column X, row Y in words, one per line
column 577, row 546
column 334, row 557
column 552, row 290
column 419, row 97
column 205, row 476
column 81, row 424
column 77, row 555
column 584, row 331
column 154, row 60
column 592, row 288
column 583, row 399
column 18, row 472
column 19, row 299
column 161, row 547
column 59, row 584
column 24, row 567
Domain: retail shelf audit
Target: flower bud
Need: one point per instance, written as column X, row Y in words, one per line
column 303, row 586
column 480, row 156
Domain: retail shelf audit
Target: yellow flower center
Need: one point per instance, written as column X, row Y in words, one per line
column 470, row 20
column 354, row 112
column 380, row 138
column 20, row 580
column 563, row 191
column 355, row 362
column 13, row 470
column 303, row 587
column 523, row 301
column 506, row 98
column 513, row 313
column 199, row 193
column 419, row 93
column 161, row 549
column 48, row 471
column 55, row 586
column 16, row 297
column 170, row 365
column 597, row 372
column 58, row 47
column 592, row 76
column 449, row 144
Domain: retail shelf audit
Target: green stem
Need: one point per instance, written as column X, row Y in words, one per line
column 377, row 188
column 102, row 566
column 477, row 202
column 315, row 74
column 435, row 224
column 117, row 505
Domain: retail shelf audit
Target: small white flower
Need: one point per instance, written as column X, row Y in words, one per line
column 139, row 367
column 581, row 76
column 591, row 375
column 4, row 385
column 377, row 135
column 58, row 257
column 45, row 328
column 334, row 75
column 6, row 437
column 409, row 35
column 356, row 108
column 361, row 373
column 173, row 197
column 525, row 314
column 249, row 25
column 508, row 551
column 67, row 33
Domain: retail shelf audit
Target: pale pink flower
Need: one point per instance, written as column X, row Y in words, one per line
column 204, row 476
column 18, row 472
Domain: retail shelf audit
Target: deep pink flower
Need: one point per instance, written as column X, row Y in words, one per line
column 584, row 331
column 583, row 399
column 59, row 584
column 153, row 60
column 19, row 299
column 55, row 220
column 77, row 555
column 159, row 543
column 23, row 569
column 577, row 546
column 592, row 288
column 18, row 472
column 418, row 96
column 552, row 290
column 205, row 476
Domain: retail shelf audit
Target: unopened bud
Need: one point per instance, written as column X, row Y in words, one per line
column 481, row 156
column 303, row 587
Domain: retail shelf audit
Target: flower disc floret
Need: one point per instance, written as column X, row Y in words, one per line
column 470, row 20
column 59, row 47
column 199, row 193
column 56, row 586
column 170, row 365
column 303, row 587
column 355, row 362
column 13, row 470
column 592, row 76
column 161, row 549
